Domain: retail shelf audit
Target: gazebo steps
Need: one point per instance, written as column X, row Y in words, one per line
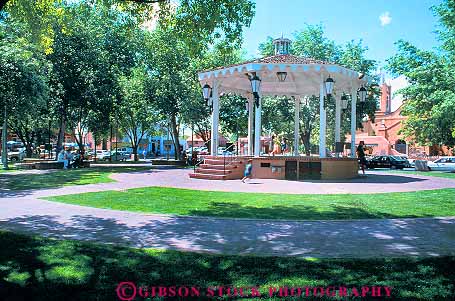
column 217, row 161
column 218, row 167
column 213, row 171
column 228, row 161
column 207, row 176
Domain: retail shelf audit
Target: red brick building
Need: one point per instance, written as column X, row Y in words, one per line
column 382, row 137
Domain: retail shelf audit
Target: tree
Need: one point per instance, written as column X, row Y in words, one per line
column 90, row 52
column 430, row 97
column 24, row 87
column 178, row 49
column 170, row 84
column 200, row 23
column 137, row 117
column 266, row 48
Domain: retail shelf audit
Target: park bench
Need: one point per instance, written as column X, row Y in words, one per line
column 48, row 165
column 25, row 165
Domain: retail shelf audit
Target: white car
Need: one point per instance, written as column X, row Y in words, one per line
column 16, row 155
column 103, row 155
column 442, row 164
column 120, row 156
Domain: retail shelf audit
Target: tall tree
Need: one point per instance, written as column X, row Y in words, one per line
column 137, row 116
column 430, row 97
column 24, row 89
column 170, row 84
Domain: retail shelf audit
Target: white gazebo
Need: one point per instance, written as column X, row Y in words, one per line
column 287, row 75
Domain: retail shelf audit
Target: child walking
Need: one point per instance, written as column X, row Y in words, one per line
column 248, row 170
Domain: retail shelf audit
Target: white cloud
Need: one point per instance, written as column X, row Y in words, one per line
column 385, row 18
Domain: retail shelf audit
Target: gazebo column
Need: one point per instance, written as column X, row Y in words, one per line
column 250, row 125
column 296, row 125
column 257, row 128
column 215, row 119
column 353, row 119
column 322, row 122
column 337, row 119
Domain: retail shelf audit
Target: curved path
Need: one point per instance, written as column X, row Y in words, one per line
column 25, row 212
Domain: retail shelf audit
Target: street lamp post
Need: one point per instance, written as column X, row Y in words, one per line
column 193, row 161
column 4, row 138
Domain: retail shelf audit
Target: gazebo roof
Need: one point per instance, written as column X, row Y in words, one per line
column 274, row 59
column 304, row 75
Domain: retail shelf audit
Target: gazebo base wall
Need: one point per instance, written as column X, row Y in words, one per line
column 304, row 168
column 279, row 167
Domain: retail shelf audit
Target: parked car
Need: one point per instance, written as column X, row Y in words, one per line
column 190, row 150
column 16, row 155
column 203, row 150
column 412, row 163
column 407, row 161
column 442, row 164
column 222, row 151
column 126, row 150
column 103, row 154
column 119, row 156
column 386, row 162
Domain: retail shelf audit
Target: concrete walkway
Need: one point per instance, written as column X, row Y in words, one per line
column 25, row 212
column 374, row 182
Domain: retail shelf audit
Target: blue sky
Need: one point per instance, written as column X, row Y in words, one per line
column 346, row 20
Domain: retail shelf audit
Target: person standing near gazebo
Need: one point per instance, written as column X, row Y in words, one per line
column 361, row 155
column 276, row 145
column 284, row 146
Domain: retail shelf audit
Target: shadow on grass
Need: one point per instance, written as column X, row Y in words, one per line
column 34, row 268
column 296, row 212
column 374, row 178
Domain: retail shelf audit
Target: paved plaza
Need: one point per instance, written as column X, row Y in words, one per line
column 25, row 212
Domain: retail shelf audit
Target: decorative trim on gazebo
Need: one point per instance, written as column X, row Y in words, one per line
column 281, row 62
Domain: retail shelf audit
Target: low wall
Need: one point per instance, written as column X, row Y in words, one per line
column 49, row 165
column 339, row 168
column 305, row 168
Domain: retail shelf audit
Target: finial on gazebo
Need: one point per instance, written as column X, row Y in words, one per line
column 282, row 45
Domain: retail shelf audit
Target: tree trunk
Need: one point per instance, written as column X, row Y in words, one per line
column 175, row 138
column 79, row 140
column 136, row 158
column 28, row 149
column 61, row 135
column 305, row 137
column 94, row 141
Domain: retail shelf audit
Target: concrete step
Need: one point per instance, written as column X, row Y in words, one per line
column 219, row 167
column 213, row 171
column 215, row 161
column 207, row 176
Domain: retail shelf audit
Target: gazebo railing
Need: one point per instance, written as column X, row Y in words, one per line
column 229, row 157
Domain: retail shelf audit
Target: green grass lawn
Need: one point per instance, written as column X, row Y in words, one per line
column 439, row 174
column 11, row 167
column 270, row 206
column 34, row 268
column 58, row 178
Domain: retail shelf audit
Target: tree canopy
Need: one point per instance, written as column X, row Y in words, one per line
column 430, row 97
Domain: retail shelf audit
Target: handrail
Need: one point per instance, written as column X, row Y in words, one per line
column 224, row 158
column 197, row 162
